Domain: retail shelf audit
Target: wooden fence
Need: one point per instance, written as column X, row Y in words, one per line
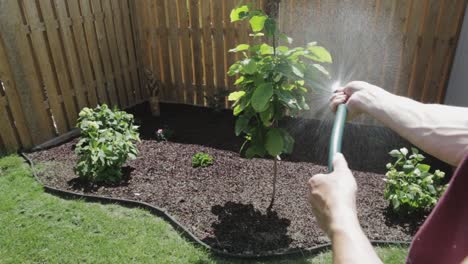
column 63, row 55
column 68, row 55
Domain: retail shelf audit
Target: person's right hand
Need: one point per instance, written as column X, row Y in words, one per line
column 358, row 97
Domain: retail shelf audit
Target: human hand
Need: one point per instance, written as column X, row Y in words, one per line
column 333, row 197
column 358, row 96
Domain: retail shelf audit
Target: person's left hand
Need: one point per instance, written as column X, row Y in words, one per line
column 333, row 197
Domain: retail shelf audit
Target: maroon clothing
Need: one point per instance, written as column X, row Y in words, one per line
column 443, row 238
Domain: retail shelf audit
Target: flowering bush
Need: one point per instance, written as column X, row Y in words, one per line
column 107, row 140
column 410, row 186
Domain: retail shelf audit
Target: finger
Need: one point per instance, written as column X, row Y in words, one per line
column 339, row 163
column 315, row 181
column 335, row 102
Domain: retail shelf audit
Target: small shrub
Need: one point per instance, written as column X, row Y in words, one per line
column 164, row 134
column 410, row 186
column 201, row 160
column 107, row 140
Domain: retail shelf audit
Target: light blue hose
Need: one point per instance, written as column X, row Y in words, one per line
column 337, row 134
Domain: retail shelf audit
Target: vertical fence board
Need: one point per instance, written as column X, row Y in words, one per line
column 85, row 63
column 40, row 48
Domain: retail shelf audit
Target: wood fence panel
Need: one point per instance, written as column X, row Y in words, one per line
column 14, row 132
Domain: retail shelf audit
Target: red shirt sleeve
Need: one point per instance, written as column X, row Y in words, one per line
column 443, row 238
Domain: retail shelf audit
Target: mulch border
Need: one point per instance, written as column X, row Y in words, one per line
column 184, row 232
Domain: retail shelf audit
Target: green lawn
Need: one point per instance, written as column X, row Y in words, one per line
column 36, row 227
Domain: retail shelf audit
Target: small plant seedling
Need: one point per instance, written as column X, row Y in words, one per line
column 107, row 140
column 202, row 160
column 410, row 186
column 272, row 85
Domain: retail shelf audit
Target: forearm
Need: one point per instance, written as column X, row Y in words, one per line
column 440, row 130
column 350, row 245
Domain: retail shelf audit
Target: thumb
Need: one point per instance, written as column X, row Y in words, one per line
column 339, row 162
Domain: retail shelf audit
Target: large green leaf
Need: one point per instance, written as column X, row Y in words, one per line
column 255, row 150
column 266, row 116
column 319, row 54
column 240, row 47
column 234, row 96
column 288, row 142
column 257, row 23
column 239, row 13
column 261, row 97
column 242, row 124
column 297, row 71
column 249, row 66
column 274, row 143
column 266, row 49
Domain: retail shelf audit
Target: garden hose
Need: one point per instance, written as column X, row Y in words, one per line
column 337, row 134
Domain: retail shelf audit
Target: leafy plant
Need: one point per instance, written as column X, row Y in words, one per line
column 272, row 85
column 107, row 140
column 410, row 186
column 202, row 160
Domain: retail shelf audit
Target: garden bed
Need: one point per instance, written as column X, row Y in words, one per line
column 225, row 204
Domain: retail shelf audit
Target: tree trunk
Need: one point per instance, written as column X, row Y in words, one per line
column 275, row 173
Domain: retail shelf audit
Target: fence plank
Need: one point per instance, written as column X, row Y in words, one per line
column 179, row 90
column 40, row 49
column 219, row 52
column 185, row 41
column 59, row 66
column 207, row 48
column 164, row 51
column 94, row 53
column 8, row 85
column 137, row 89
column 112, row 45
column 197, row 50
column 83, row 54
column 104, row 50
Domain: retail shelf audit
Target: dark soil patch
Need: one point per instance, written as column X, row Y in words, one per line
column 225, row 204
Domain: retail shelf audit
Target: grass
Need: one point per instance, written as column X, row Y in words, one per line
column 36, row 227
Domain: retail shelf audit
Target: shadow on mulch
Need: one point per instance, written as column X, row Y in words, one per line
column 406, row 221
column 79, row 184
column 242, row 228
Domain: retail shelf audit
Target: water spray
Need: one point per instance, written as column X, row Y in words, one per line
column 337, row 131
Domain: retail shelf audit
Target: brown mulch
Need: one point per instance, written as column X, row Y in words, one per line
column 225, row 204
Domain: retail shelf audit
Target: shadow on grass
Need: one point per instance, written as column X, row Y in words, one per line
column 241, row 228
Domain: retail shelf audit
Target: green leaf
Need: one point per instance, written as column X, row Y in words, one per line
column 241, row 124
column 282, row 49
column 404, row 151
column 255, row 150
column 257, row 23
column 297, row 71
column 240, row 47
column 266, row 49
column 239, row 81
column 395, row 153
column 274, row 142
column 249, row 66
column 270, row 27
column 234, row 96
column 259, row 34
column 319, row 54
column 288, row 142
column 414, row 150
column 286, row 38
column 321, row 69
column 261, row 97
column 239, row 13
column 424, row 167
column 266, row 116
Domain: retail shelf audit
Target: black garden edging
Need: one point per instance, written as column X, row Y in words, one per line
column 293, row 253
